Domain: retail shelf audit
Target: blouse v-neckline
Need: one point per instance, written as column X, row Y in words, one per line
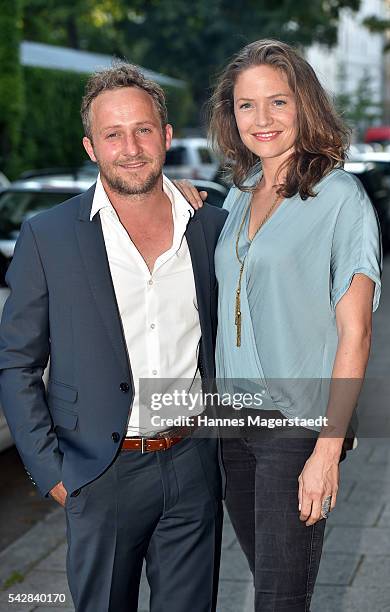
column 248, row 215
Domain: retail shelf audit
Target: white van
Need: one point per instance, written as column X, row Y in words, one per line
column 191, row 158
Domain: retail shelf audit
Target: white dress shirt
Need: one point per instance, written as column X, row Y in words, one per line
column 158, row 309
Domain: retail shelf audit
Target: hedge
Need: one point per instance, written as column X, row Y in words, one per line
column 11, row 85
column 52, row 131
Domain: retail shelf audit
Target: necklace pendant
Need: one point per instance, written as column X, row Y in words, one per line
column 237, row 318
column 238, row 325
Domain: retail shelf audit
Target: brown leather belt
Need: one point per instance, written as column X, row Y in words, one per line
column 165, row 440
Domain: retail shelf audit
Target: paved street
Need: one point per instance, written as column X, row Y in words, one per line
column 355, row 569
column 21, row 503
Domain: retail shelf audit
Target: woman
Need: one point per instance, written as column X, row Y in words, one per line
column 298, row 267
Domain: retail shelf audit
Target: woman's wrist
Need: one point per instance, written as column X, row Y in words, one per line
column 329, row 447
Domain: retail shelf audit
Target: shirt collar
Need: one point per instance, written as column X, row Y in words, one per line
column 182, row 210
column 100, row 199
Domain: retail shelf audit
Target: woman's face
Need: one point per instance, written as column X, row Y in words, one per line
column 265, row 112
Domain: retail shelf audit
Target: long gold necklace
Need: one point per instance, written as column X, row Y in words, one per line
column 238, row 316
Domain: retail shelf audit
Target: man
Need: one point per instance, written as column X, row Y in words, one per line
column 117, row 285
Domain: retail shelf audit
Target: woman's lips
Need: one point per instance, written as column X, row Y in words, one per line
column 266, row 136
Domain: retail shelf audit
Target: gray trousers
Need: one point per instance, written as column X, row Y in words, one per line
column 164, row 507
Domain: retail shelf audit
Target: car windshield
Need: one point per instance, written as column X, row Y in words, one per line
column 176, row 156
column 16, row 206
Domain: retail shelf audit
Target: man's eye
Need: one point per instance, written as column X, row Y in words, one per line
column 144, row 130
column 112, row 135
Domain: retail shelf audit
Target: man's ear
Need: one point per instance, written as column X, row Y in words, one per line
column 88, row 146
column 168, row 136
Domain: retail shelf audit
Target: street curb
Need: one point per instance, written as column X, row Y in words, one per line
column 24, row 553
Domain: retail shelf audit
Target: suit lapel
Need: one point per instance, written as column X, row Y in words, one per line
column 201, row 266
column 94, row 256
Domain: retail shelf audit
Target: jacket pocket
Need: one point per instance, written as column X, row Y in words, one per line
column 63, row 418
column 62, row 391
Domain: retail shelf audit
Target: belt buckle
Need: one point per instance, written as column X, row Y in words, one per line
column 167, row 442
column 143, row 446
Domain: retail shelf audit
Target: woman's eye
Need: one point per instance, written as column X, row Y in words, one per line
column 279, row 102
column 245, row 105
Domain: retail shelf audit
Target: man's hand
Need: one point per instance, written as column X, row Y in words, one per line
column 59, row 493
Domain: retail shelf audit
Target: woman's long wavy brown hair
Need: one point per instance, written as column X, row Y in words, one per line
column 322, row 138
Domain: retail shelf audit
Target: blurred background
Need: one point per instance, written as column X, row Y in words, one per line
column 47, row 50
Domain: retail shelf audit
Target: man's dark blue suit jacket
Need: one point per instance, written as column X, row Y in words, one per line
column 62, row 304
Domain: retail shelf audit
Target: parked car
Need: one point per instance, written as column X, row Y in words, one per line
column 21, row 200
column 375, row 180
column 216, row 193
column 24, row 199
column 4, row 182
column 380, row 158
column 378, row 133
column 5, row 436
column 191, row 158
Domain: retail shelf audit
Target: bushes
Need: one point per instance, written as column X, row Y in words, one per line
column 11, row 85
column 52, row 130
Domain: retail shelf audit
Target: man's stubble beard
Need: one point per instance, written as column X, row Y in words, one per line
column 127, row 187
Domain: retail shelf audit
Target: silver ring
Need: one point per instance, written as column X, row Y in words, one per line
column 325, row 507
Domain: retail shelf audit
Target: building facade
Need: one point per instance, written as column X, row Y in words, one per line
column 358, row 56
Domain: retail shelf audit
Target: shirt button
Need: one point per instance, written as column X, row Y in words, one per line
column 115, row 436
column 150, row 282
column 152, row 326
column 154, row 372
column 124, row 387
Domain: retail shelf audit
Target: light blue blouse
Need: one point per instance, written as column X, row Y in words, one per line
column 297, row 268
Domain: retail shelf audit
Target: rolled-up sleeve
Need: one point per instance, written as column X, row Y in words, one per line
column 356, row 245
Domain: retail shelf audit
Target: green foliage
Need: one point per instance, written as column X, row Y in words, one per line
column 80, row 24
column 52, row 130
column 11, row 85
column 197, row 38
column 180, row 107
column 376, row 25
column 187, row 40
column 358, row 108
column 13, row 579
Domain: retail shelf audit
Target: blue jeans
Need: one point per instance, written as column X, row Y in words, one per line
column 262, row 502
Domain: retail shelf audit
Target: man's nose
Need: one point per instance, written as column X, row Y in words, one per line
column 130, row 145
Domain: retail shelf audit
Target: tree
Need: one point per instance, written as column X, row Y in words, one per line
column 358, row 107
column 376, row 25
column 190, row 41
column 193, row 41
column 80, row 24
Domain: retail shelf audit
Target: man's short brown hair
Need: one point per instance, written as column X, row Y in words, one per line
column 120, row 75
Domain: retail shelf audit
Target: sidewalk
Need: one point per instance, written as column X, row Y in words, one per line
column 354, row 573
column 39, row 558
